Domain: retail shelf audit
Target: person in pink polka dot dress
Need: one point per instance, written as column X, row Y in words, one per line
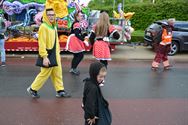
column 99, row 37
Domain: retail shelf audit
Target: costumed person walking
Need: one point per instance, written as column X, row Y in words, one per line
column 99, row 37
column 2, row 41
column 164, row 46
column 76, row 43
column 96, row 108
column 47, row 39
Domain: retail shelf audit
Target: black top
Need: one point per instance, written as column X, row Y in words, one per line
column 90, row 99
column 92, row 93
column 77, row 32
column 92, row 36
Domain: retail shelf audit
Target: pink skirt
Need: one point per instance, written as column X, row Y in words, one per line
column 101, row 50
column 74, row 44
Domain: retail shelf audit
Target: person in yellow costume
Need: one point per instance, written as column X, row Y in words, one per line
column 47, row 34
column 59, row 6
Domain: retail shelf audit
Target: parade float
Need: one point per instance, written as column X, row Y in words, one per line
column 24, row 18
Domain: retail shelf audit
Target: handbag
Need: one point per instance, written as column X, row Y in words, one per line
column 51, row 56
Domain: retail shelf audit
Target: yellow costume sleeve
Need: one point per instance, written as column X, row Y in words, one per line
column 42, row 41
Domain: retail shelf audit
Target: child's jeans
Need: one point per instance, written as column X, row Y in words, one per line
column 2, row 50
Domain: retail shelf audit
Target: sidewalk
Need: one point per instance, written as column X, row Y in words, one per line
column 127, row 52
column 122, row 52
column 142, row 53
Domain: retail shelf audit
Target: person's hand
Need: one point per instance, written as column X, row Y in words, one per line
column 46, row 62
column 106, row 39
column 86, row 43
column 92, row 121
column 82, row 105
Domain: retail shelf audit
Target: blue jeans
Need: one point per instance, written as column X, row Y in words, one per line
column 2, row 50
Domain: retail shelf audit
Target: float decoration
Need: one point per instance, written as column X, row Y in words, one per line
column 26, row 16
column 121, row 14
column 17, row 7
column 124, row 22
column 59, row 6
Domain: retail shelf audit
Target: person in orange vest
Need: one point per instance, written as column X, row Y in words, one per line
column 164, row 46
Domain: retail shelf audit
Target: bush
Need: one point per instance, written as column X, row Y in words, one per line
column 137, row 36
column 146, row 13
column 139, row 39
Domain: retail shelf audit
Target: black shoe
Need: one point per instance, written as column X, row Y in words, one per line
column 62, row 93
column 33, row 93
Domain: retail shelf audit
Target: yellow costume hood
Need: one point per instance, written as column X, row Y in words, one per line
column 47, row 35
column 45, row 18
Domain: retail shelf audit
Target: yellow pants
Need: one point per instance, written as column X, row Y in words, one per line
column 55, row 74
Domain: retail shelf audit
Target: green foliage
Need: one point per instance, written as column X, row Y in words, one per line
column 146, row 12
column 138, row 33
column 139, row 39
column 137, row 36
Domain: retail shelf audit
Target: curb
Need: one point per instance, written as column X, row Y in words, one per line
column 122, row 53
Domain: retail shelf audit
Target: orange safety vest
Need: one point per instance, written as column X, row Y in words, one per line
column 166, row 37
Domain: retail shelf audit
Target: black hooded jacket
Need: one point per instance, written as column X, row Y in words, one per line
column 92, row 92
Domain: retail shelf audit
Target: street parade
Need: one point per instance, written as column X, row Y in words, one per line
column 93, row 62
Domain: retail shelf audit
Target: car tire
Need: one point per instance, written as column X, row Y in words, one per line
column 174, row 48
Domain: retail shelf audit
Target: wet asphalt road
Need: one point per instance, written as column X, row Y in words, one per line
column 137, row 95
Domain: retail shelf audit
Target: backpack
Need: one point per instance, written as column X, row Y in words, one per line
column 158, row 36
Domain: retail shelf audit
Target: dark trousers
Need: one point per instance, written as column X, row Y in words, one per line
column 76, row 59
column 162, row 53
column 105, row 62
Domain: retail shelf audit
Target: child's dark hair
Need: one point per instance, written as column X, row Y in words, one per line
column 75, row 15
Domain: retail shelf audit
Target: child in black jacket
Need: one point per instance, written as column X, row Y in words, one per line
column 95, row 107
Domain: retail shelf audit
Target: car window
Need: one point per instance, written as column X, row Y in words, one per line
column 186, row 25
column 181, row 27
